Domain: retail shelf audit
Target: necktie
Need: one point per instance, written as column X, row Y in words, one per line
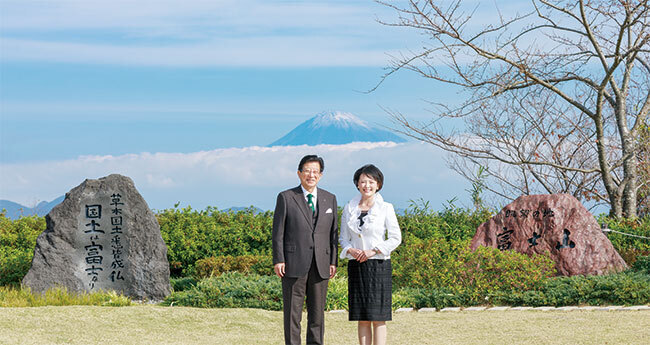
column 310, row 202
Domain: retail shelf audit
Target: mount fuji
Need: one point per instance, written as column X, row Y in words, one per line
column 336, row 128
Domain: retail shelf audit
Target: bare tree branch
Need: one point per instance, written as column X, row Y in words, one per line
column 552, row 94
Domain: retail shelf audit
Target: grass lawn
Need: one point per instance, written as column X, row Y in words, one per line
column 148, row 324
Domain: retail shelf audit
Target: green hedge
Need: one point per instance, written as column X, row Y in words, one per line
column 642, row 264
column 183, row 283
column 433, row 255
column 439, row 265
column 626, row 288
column 428, row 298
column 629, row 247
column 214, row 266
column 192, row 235
column 451, row 224
column 231, row 290
column 17, row 242
column 435, row 263
column 238, row 290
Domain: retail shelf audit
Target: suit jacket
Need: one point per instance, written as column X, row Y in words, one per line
column 295, row 238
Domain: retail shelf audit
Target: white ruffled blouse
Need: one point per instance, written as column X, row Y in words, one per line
column 380, row 229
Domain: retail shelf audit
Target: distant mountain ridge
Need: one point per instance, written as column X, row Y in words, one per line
column 336, row 128
column 15, row 210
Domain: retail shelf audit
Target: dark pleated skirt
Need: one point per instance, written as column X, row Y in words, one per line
column 370, row 290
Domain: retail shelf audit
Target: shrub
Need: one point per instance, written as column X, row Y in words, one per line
column 427, row 298
column 403, row 298
column 441, row 265
column 626, row 288
column 642, row 264
column 191, row 235
column 337, row 293
column 182, row 284
column 14, row 265
column 17, row 242
column 232, row 290
column 452, row 224
column 214, row 266
column 237, row 290
column 629, row 247
column 487, row 270
column 427, row 263
column 432, row 267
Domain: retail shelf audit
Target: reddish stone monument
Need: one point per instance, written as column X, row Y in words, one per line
column 558, row 224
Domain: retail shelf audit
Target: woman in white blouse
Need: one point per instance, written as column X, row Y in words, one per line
column 369, row 233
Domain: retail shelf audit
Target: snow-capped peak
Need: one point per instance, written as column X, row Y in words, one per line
column 335, row 128
column 337, row 119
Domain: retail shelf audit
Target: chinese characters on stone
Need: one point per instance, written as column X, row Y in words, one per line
column 94, row 250
column 546, row 212
column 116, row 244
column 95, row 228
column 503, row 237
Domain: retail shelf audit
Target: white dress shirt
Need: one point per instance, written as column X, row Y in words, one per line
column 380, row 229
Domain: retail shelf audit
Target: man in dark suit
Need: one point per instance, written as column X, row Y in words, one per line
column 305, row 243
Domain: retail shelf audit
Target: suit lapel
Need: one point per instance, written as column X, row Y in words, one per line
column 302, row 204
column 322, row 205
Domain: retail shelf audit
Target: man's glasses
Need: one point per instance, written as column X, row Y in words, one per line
column 309, row 172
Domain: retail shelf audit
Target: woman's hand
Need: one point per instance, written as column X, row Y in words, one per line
column 357, row 254
column 361, row 255
column 370, row 253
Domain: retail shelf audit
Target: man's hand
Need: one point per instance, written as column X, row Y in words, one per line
column 332, row 271
column 279, row 269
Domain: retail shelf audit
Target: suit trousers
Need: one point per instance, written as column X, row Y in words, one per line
column 294, row 291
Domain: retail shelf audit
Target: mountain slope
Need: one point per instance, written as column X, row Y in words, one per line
column 15, row 210
column 335, row 128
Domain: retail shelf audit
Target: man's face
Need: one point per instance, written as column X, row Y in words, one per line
column 310, row 175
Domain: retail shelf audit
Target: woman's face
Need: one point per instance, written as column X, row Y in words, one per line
column 367, row 185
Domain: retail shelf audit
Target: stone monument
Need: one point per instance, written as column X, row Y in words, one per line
column 103, row 236
column 557, row 224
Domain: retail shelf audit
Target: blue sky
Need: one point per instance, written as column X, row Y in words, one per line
column 153, row 89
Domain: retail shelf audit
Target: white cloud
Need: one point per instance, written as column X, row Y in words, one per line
column 237, row 52
column 161, row 181
column 242, row 176
column 214, row 33
column 189, row 18
column 196, row 33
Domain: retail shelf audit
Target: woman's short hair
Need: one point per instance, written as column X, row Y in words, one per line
column 371, row 171
column 311, row 158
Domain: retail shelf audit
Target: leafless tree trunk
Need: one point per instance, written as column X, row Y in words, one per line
column 555, row 98
column 643, row 196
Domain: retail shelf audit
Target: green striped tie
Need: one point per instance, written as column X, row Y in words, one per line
column 310, row 202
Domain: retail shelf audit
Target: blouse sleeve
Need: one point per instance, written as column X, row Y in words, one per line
column 344, row 235
column 393, row 232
